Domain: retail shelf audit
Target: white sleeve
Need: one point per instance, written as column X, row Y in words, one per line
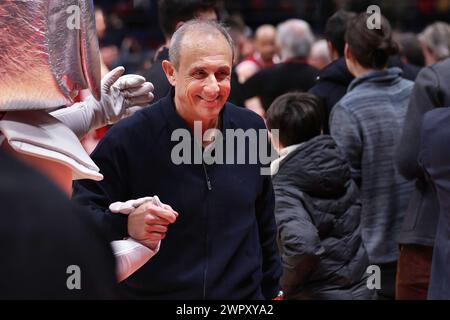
column 130, row 256
column 80, row 118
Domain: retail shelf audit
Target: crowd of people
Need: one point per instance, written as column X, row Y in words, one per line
column 356, row 116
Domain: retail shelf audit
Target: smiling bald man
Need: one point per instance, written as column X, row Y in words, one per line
column 223, row 244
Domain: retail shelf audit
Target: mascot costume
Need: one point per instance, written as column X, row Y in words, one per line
column 48, row 53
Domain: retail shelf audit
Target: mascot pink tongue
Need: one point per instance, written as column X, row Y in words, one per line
column 48, row 52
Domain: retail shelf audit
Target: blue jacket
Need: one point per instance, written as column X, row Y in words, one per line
column 366, row 124
column 223, row 244
column 435, row 157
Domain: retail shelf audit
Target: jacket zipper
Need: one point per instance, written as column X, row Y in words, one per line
column 208, row 181
column 205, row 271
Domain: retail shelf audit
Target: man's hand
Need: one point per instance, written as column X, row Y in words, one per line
column 149, row 223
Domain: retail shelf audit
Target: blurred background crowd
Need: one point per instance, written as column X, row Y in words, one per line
column 129, row 30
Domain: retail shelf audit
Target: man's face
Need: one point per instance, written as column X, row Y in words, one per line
column 265, row 45
column 202, row 81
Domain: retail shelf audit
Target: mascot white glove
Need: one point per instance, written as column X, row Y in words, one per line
column 130, row 254
column 121, row 96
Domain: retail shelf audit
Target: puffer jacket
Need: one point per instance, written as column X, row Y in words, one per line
column 318, row 219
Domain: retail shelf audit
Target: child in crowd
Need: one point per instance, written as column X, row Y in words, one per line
column 317, row 206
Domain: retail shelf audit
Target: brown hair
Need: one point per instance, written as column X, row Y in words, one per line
column 297, row 115
column 370, row 47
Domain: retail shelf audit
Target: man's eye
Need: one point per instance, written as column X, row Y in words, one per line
column 199, row 73
column 223, row 74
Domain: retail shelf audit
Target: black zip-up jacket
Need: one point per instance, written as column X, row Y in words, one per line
column 331, row 85
column 222, row 245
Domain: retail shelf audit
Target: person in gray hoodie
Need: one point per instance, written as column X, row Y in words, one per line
column 366, row 124
column 317, row 207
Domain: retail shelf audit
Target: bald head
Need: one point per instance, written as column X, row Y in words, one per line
column 196, row 33
column 266, row 31
column 265, row 42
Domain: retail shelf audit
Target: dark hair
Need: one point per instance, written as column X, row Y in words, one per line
column 370, row 47
column 335, row 29
column 410, row 49
column 173, row 11
column 297, row 115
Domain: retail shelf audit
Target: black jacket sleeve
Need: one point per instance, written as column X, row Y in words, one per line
column 425, row 96
column 98, row 195
column 298, row 239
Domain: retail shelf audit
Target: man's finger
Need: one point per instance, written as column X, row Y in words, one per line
column 155, row 236
column 162, row 213
column 150, row 220
column 167, row 207
column 156, row 228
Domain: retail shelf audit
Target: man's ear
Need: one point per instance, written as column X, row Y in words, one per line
column 179, row 24
column 169, row 70
column 332, row 51
column 347, row 52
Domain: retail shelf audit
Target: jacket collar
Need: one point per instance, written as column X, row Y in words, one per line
column 336, row 71
column 283, row 153
column 377, row 76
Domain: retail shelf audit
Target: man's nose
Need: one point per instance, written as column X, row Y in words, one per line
column 212, row 86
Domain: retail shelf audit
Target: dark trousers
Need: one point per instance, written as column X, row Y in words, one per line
column 413, row 272
column 388, row 275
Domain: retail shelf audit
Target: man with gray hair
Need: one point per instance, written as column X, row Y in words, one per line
column 171, row 15
column 294, row 39
column 223, row 245
column 435, row 42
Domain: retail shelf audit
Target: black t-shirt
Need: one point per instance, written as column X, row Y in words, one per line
column 282, row 78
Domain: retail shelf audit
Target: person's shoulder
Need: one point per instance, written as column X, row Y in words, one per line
column 243, row 117
column 408, row 85
column 429, row 74
column 144, row 121
column 43, row 198
column 60, row 225
column 18, row 179
column 154, row 72
column 438, row 117
column 441, row 66
column 348, row 100
column 304, row 68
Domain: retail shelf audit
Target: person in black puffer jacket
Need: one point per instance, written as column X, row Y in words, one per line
column 317, row 207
